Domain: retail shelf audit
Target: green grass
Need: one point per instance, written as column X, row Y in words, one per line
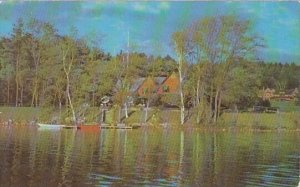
column 19, row 113
column 286, row 106
column 264, row 121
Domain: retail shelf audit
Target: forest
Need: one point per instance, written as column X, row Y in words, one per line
column 216, row 62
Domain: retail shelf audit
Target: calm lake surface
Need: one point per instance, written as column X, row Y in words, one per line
column 32, row 157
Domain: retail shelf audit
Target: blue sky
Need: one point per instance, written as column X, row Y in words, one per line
column 151, row 24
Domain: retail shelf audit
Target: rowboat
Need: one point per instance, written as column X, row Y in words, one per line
column 87, row 127
column 49, row 126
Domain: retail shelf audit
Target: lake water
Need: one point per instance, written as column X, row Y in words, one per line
column 156, row 157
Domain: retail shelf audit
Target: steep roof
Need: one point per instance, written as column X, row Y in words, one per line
column 139, row 81
column 159, row 80
column 136, row 84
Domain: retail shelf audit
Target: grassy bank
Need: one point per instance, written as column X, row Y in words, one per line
column 286, row 106
column 261, row 121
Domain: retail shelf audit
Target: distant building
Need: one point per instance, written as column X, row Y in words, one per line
column 287, row 95
column 268, row 94
column 294, row 92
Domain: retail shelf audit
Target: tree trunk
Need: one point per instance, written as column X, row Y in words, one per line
column 17, row 92
column 102, row 115
column 120, row 110
column 69, row 98
column 59, row 105
column 146, row 111
column 198, row 102
column 37, row 99
column 181, row 97
column 33, row 93
column 93, row 99
column 126, row 110
column 33, row 98
column 93, row 94
column 21, row 96
column 219, row 105
column 41, row 99
column 35, row 85
column 216, row 106
column 209, row 116
column 8, row 91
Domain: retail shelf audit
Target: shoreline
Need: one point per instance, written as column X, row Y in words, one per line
column 244, row 121
column 186, row 128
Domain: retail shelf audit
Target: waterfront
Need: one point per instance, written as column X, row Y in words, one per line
column 147, row 157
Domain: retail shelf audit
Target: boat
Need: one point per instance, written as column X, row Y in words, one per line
column 89, row 127
column 49, row 126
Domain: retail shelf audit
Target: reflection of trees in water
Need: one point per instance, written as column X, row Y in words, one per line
column 142, row 149
column 185, row 158
column 68, row 147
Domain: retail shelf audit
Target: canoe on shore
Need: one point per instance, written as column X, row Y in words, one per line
column 49, row 126
column 96, row 127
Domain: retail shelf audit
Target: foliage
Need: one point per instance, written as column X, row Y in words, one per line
column 216, row 64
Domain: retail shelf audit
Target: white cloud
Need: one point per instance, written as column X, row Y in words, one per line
column 139, row 6
column 251, row 10
column 288, row 22
column 154, row 8
column 164, row 5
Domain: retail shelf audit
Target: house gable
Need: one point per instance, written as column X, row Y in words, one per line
column 169, row 85
column 147, row 86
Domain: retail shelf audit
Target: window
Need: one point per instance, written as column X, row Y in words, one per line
column 145, row 90
column 165, row 88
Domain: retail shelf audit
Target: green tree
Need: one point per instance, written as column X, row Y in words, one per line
column 220, row 41
column 68, row 55
column 6, row 68
column 181, row 44
column 17, row 56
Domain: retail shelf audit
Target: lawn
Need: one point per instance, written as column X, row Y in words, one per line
column 287, row 118
column 286, row 106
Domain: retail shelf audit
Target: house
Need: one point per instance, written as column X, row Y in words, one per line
column 268, row 93
column 170, row 84
column 140, row 88
column 149, row 85
column 287, row 95
column 294, row 92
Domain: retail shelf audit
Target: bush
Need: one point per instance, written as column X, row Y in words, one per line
column 263, row 103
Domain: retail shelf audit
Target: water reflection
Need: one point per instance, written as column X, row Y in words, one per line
column 147, row 158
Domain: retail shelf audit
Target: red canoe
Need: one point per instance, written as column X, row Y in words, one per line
column 95, row 128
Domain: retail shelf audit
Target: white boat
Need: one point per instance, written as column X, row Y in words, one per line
column 49, row 126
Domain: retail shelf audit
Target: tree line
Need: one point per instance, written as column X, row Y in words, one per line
column 216, row 65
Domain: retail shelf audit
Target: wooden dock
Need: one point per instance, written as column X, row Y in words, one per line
column 70, row 127
column 106, row 126
column 118, row 127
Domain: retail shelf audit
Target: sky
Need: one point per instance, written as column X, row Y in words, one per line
column 149, row 25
